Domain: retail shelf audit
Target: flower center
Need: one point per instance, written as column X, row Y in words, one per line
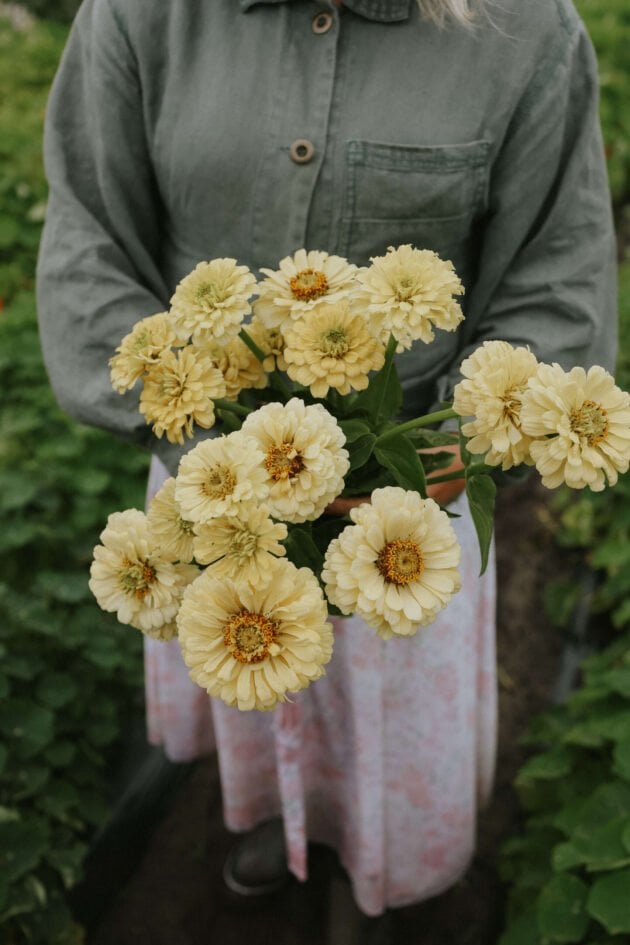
column 171, row 386
column 244, row 544
column 185, row 526
column 209, row 294
column 250, row 638
column 405, row 288
column 137, row 577
column 400, row 561
column 219, row 483
column 308, row 284
column 590, row 422
column 283, row 462
column 334, row 343
column 512, row 405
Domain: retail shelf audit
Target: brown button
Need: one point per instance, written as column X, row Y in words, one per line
column 322, row 22
column 301, row 151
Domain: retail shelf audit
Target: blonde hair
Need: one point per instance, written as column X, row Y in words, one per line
column 440, row 12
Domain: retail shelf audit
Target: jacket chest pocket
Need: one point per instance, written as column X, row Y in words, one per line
column 428, row 196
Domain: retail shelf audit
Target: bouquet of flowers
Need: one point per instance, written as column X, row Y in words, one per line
column 237, row 555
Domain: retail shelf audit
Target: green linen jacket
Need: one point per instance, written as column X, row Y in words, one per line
column 174, row 132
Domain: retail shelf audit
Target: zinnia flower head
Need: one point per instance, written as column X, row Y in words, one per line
column 271, row 342
column 211, row 302
column 302, row 281
column 252, row 645
column 240, row 368
column 244, row 546
column 396, row 566
column 495, row 377
column 333, row 347
column 303, row 458
column 583, row 422
column 172, row 534
column 145, row 344
column 131, row 577
column 218, row 475
column 178, row 393
column 409, row 292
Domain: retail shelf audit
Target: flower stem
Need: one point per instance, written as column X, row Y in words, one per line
column 232, row 406
column 251, row 344
column 425, row 421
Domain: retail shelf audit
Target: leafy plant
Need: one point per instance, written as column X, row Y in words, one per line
column 69, row 674
column 569, row 871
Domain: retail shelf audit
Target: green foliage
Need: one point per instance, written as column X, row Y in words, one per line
column 597, row 525
column 61, row 10
column 69, row 674
column 608, row 22
column 569, row 871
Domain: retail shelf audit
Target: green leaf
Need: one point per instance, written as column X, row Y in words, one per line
column 524, row 930
column 360, row 451
column 302, row 550
column 29, row 725
column 383, row 397
column 561, row 909
column 608, row 902
column 621, row 757
column 22, row 845
column 552, row 764
column 64, row 586
column 354, row 429
column 564, row 856
column 398, row 454
column 481, row 492
column 57, row 689
column 60, row 754
column 601, row 848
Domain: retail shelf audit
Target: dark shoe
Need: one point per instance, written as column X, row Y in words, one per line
column 257, row 864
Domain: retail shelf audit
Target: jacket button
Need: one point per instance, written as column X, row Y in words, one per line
column 301, row 151
column 322, row 22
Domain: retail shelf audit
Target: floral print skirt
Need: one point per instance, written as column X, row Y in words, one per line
column 386, row 758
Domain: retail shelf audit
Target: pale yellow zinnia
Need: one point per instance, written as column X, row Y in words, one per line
column 332, row 347
column 240, row 368
column 582, row 424
column 145, row 344
column 244, row 546
column 409, row 292
column 303, row 457
column 179, row 392
column 172, row 534
column 211, row 302
column 252, row 645
column 218, row 475
column 131, row 577
column 495, row 376
column 271, row 343
column 302, row 281
column 396, row 566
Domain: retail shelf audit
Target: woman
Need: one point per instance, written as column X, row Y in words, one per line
column 179, row 132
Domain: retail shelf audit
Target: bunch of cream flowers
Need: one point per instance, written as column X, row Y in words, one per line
column 573, row 425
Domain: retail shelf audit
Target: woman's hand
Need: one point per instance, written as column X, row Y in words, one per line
column 441, row 492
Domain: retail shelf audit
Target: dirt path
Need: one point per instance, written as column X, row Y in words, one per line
column 174, row 897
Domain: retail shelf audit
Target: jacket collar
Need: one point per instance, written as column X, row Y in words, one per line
column 382, row 11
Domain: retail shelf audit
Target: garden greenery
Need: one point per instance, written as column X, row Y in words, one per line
column 69, row 675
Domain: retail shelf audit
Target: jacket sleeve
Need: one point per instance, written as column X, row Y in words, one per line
column 547, row 255
column 98, row 270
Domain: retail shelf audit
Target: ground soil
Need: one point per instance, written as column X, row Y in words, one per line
column 175, row 895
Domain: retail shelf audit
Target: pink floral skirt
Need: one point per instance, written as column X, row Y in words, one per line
column 385, row 759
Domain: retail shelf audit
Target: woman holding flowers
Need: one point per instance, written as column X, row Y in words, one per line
column 184, row 132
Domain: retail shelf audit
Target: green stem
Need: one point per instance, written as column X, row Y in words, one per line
column 232, row 406
column 426, row 421
column 253, row 347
